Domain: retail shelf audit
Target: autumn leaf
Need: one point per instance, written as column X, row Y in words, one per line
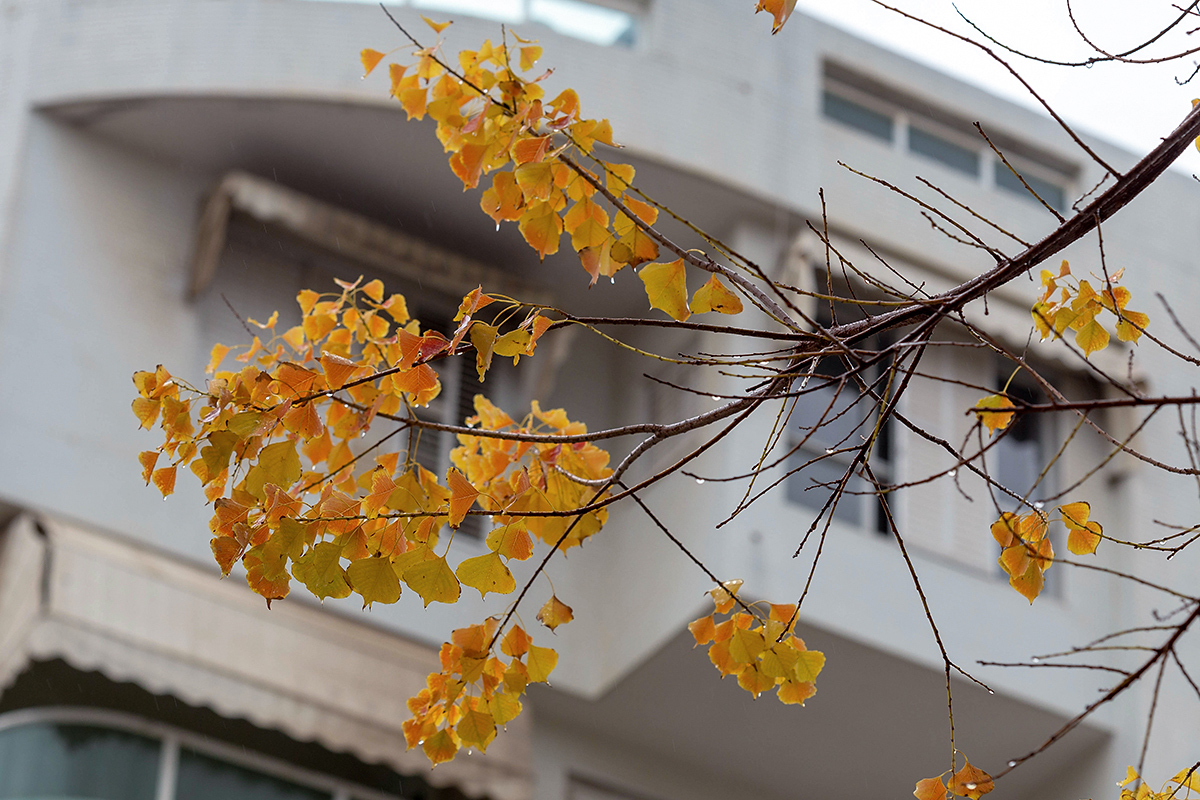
column 1091, row 337
column 462, row 496
column 540, row 662
column 1085, row 535
column 930, row 789
column 993, row 412
column 666, row 287
column 486, row 573
column 970, row 782
column 703, row 630
column 438, row 27
column 554, row 613
column 370, row 60
column 779, row 9
column 433, row 580
column 511, row 541
column 439, row 748
column 476, row 729
column 374, row 580
column 713, row 296
column 320, row 570
column 724, row 596
column 164, row 480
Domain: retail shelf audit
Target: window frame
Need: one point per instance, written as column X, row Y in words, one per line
column 174, row 739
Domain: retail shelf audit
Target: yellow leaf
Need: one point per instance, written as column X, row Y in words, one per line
column 164, row 480
column 703, row 629
column 723, row 596
column 754, row 681
column 320, row 569
column 793, row 692
column 374, row 580
column 542, row 227
column 504, row 707
column 970, row 782
column 438, row 27
column 1130, row 773
column 554, row 613
column 540, row 662
column 809, row 665
column 1091, row 337
column 666, row 287
column 1075, row 515
column 530, row 56
column 374, row 290
column 1131, row 325
column 1085, row 539
column 148, row 459
column 930, row 789
column 219, row 352
column 993, row 412
column 487, row 573
column 713, row 296
column 476, row 729
column 511, row 541
column 1004, row 530
column 1029, row 583
column 433, row 580
column 370, row 60
column 439, row 748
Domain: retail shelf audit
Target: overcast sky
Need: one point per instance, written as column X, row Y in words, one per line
column 1133, row 106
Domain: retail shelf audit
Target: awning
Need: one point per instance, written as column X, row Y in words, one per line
column 105, row 603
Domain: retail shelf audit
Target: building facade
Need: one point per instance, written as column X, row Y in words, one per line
column 170, row 166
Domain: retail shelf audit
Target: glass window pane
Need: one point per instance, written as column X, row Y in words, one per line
column 802, row 487
column 867, row 120
column 592, row 23
column 1052, row 193
column 205, row 778
column 952, row 155
column 46, row 760
column 500, row 10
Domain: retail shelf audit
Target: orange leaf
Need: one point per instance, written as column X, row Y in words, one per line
column 779, row 9
column 541, row 226
column 993, row 412
column 793, row 692
column 713, row 296
column 1084, row 540
column 439, row 748
column 930, row 789
column 164, row 480
column 462, row 496
column 703, row 629
column 370, row 60
column 554, row 613
column 970, row 782
column 148, row 459
column 666, row 287
column 516, row 642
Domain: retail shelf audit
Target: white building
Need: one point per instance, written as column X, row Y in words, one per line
column 158, row 157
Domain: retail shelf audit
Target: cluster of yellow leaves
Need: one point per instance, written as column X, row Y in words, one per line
column 969, row 782
column 281, row 435
column 493, row 121
column 1077, row 307
column 553, row 480
column 278, row 446
column 762, row 653
column 475, row 691
column 1027, row 553
column 1184, row 779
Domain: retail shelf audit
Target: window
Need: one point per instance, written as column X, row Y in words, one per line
column 835, row 416
column 915, row 127
column 603, row 22
column 45, row 759
column 89, row 754
column 952, row 155
column 1054, row 194
column 857, row 116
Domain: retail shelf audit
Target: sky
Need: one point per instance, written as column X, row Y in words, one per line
column 1132, row 106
